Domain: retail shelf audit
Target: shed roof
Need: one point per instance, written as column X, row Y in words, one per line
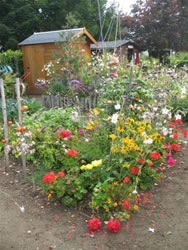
column 56, row 36
column 113, row 44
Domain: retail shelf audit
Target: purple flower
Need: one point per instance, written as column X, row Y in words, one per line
column 75, row 82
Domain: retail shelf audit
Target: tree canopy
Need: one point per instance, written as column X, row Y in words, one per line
column 21, row 18
column 159, row 24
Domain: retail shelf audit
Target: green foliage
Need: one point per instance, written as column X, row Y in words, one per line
column 9, row 82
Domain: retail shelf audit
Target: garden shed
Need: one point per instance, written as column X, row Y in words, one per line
column 39, row 48
column 124, row 49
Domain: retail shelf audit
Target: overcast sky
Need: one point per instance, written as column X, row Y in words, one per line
column 123, row 4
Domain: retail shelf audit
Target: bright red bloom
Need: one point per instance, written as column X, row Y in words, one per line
column 175, row 147
column 65, row 134
column 141, row 161
column 134, row 170
column 185, row 132
column 172, row 125
column 126, row 205
column 72, row 152
column 94, row 224
column 61, row 174
column 179, row 122
column 126, row 179
column 49, row 177
column 114, row 225
column 155, row 155
column 175, row 135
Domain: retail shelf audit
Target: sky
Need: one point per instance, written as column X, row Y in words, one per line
column 124, row 5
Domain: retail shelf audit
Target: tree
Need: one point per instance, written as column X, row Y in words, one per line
column 159, row 24
column 21, row 18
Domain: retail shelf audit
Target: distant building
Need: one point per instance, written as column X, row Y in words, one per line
column 125, row 49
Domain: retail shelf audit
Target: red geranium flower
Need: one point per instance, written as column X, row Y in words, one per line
column 126, row 205
column 126, row 179
column 184, row 132
column 114, row 225
column 49, row 177
column 155, row 155
column 94, row 224
column 61, row 174
column 175, row 135
column 175, row 147
column 168, row 146
column 65, row 134
column 134, row 170
column 72, row 152
column 179, row 122
column 141, row 161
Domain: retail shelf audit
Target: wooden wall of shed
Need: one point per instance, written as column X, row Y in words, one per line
column 36, row 56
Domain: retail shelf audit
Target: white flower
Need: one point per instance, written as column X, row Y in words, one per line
column 165, row 131
column 178, row 117
column 114, row 118
column 135, row 191
column 117, row 106
column 183, row 91
column 148, row 141
column 165, row 111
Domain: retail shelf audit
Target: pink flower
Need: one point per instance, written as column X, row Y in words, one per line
column 94, row 224
column 171, row 161
column 114, row 225
column 168, row 154
column 81, row 131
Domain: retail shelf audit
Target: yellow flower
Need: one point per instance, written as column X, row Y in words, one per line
column 136, row 207
column 108, row 201
column 112, row 136
column 120, row 130
column 124, row 149
column 115, row 204
column 107, row 209
column 114, row 149
column 96, row 111
column 49, row 196
column 127, row 216
column 126, row 165
column 97, row 163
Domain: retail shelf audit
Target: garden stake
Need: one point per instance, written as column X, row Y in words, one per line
column 5, row 125
column 20, row 122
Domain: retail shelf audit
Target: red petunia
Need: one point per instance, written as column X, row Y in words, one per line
column 49, row 177
column 72, row 152
column 155, row 155
column 126, row 204
column 175, row 147
column 134, row 170
column 61, row 174
column 94, row 224
column 114, row 225
column 65, row 134
column 126, row 179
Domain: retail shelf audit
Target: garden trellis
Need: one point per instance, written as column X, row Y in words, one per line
column 5, row 123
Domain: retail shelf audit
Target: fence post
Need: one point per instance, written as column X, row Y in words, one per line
column 4, row 111
column 20, row 123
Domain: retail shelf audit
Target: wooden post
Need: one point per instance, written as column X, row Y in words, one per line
column 4, row 110
column 20, row 122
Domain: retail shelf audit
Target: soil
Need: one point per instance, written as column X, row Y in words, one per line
column 160, row 224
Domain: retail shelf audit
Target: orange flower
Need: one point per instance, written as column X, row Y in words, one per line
column 72, row 152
